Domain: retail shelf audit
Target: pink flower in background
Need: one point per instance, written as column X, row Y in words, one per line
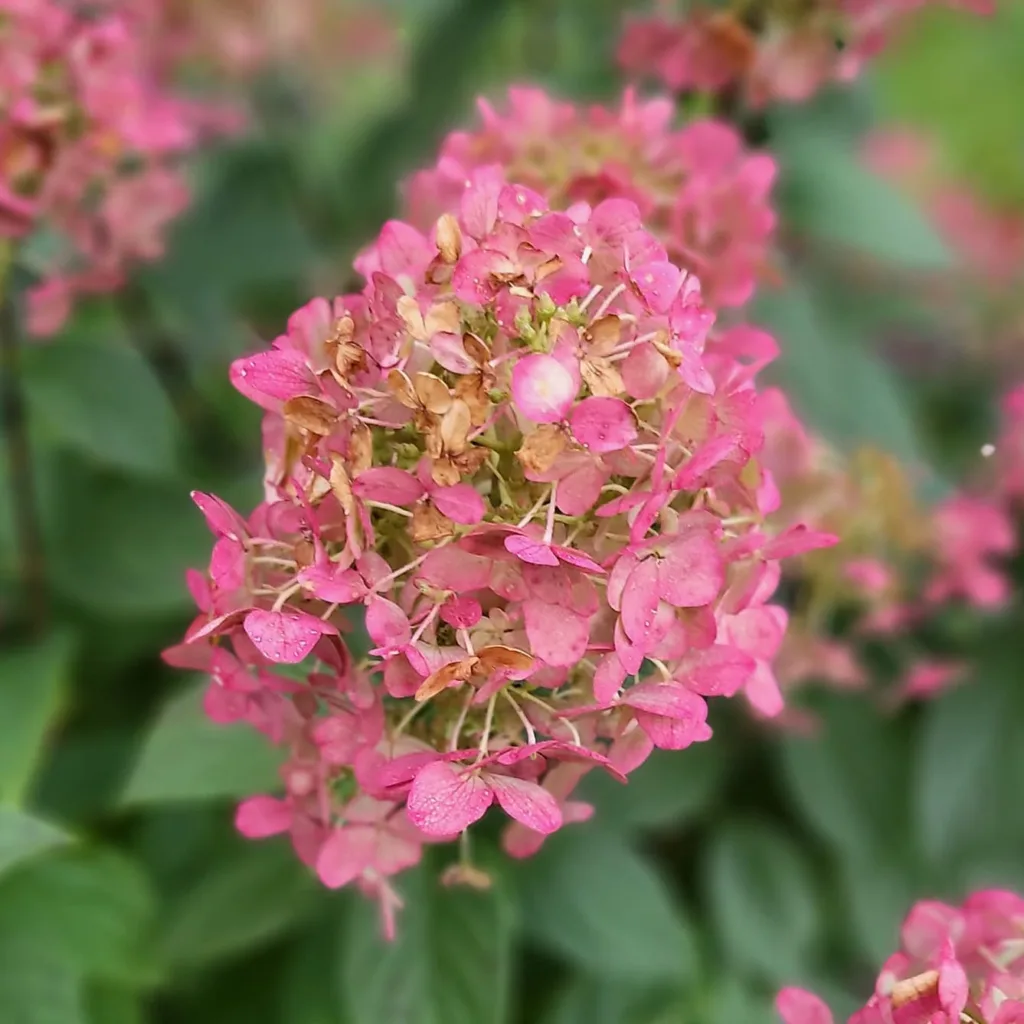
column 456, row 451
column 955, row 964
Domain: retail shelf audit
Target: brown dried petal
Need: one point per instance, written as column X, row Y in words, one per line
column 401, row 387
column 360, row 448
column 498, row 657
column 409, row 310
column 475, row 349
column 542, row 447
column 456, row 671
column 444, row 472
column 311, row 414
column 443, row 317
column 428, row 524
column 455, row 426
column 601, row 376
column 604, row 334
column 672, row 357
column 473, row 389
column 448, row 236
column 911, row 989
column 547, row 268
column 432, row 393
column 341, row 486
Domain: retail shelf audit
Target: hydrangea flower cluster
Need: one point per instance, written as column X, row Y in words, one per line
column 775, row 50
column 956, row 965
column 698, row 188
column 952, row 552
column 521, row 450
column 88, row 140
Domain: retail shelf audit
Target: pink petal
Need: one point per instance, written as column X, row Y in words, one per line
column 452, row 568
column 720, row 671
column 269, row 378
column 450, row 352
column 798, row 540
column 478, row 209
column 608, row 678
column 262, row 816
column 345, row 587
column 461, row 612
column 556, row 636
column 658, row 283
column 705, row 458
column 640, row 602
column 527, row 549
column 444, row 801
column 345, row 855
column 669, row 700
column 603, row 424
column 473, row 280
column 285, row 637
column 461, row 503
column 386, row 623
column 796, row 1006
column 577, row 558
column 222, row 519
column 763, row 691
column 529, row 804
column 542, row 388
column 388, row 483
column 672, row 733
column 691, row 573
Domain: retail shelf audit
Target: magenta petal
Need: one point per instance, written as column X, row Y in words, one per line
column 603, row 424
column 269, row 378
column 262, row 816
column 691, row 573
column 798, row 540
column 720, row 671
column 577, row 558
column 670, row 700
column 631, row 655
column 542, row 388
column 445, row 801
column 556, row 635
column 386, row 623
column 527, row 549
column 285, row 637
column 388, row 483
column 345, row 855
column 222, row 519
column 797, row 1006
column 672, row 733
column 461, row 503
column 529, row 804
column 345, row 587
column 658, row 282
column 640, row 602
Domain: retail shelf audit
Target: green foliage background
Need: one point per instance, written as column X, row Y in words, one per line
column 720, row 873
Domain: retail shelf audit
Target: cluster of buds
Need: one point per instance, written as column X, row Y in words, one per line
column 951, row 552
column 697, row 187
column 522, row 450
column 956, row 965
column 767, row 50
column 88, row 139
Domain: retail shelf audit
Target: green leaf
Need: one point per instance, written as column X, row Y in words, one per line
column 591, row 897
column 450, row 962
column 257, row 894
column 829, row 192
column 762, row 901
column 122, row 547
column 36, row 985
column 23, row 837
column 92, row 908
column 309, row 986
column 185, row 756
column 113, row 1004
column 878, row 891
column 851, row 781
column 32, row 681
column 836, row 382
column 590, row 1000
column 664, row 791
column 103, row 401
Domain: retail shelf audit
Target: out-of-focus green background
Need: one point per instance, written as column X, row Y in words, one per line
column 720, row 873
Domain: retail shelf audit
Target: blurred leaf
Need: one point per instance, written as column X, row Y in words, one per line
column 450, row 963
column 732, row 1002
column 103, row 401
column 83, row 774
column 879, row 890
column 37, row 986
column 851, row 781
column 113, row 1004
column 591, row 897
column 32, row 681
column 762, row 900
column 829, row 192
column 665, row 790
column 836, row 382
column 261, row 891
column 93, row 909
column 309, row 989
column 22, row 837
column 592, row 1000
column 123, row 546
column 185, row 756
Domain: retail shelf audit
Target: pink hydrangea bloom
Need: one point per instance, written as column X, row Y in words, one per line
column 90, row 136
column 956, row 965
column 705, row 195
column 522, row 450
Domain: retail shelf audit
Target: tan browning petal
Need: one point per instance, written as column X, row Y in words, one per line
column 454, row 672
column 311, row 414
column 445, row 472
column 472, row 390
column 401, row 387
column 601, row 376
column 673, row 358
column 455, row 426
column 448, row 236
column 443, row 317
column 497, row 657
column 476, row 349
column 547, row 268
column 466, row 874
column 341, row 486
column 433, row 393
column 911, row 989
column 604, row 334
column 409, row 310
column 360, row 448
column 429, row 524
column 542, row 447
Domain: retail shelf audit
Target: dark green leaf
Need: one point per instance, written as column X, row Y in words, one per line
column 32, row 682
column 113, row 1004
column 23, row 836
column 589, row 1000
column 591, row 897
column 37, row 986
column 762, row 900
column 185, row 756
column 309, row 988
column 258, row 893
column 103, row 401
column 450, row 963
column 665, row 790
